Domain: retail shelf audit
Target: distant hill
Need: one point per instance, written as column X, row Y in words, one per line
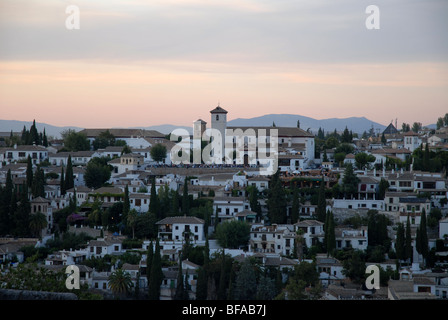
column 356, row 124
column 50, row 130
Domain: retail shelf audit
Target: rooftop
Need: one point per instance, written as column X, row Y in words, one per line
column 181, row 219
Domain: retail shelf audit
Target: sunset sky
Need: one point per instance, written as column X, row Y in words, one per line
column 143, row 63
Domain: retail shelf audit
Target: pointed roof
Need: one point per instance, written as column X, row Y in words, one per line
column 40, row 200
column 390, row 129
column 218, row 109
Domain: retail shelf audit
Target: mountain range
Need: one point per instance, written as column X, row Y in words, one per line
column 356, row 124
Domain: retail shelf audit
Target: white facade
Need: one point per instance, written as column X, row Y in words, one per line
column 443, row 228
column 180, row 227
column 412, row 141
column 351, row 238
column 228, row 207
column 100, row 247
column 313, row 231
column 21, row 153
column 139, row 201
column 358, row 204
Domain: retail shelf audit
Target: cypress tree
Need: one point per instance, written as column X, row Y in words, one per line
column 424, row 236
column 22, row 215
column 126, row 203
column 29, row 173
column 418, row 242
column 180, row 289
column 222, row 278
column 349, row 181
column 6, row 206
column 331, row 237
column 253, row 201
column 154, row 202
column 295, row 209
column 45, row 139
column 24, row 139
column 62, row 182
column 185, row 199
column 202, row 285
column 34, row 134
column 400, row 243
column 408, row 240
column 156, row 276
column 321, row 202
column 38, row 185
column 187, row 286
column 175, row 203
column 276, row 200
column 69, row 181
column 426, row 159
column 149, row 257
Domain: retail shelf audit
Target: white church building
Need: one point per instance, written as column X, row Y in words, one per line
column 295, row 146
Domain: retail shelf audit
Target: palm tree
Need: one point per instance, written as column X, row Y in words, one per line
column 38, row 221
column 120, row 282
column 132, row 220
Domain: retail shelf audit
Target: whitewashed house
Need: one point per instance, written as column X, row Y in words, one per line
column 42, row 205
column 226, row 208
column 313, row 231
column 127, row 162
column 443, row 228
column 351, row 238
column 180, row 228
column 20, row 153
column 139, row 201
column 100, row 247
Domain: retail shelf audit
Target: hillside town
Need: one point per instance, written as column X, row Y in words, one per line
column 139, row 225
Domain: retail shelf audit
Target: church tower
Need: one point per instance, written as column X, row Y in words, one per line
column 219, row 121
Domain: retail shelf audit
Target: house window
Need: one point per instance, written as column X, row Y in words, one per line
column 116, row 248
column 217, row 117
column 196, row 228
column 104, row 285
